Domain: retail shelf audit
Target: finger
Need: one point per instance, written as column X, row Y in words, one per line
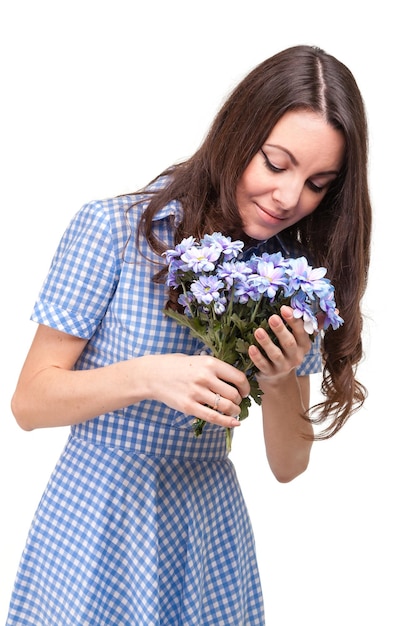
column 215, row 417
column 232, row 383
column 290, row 350
column 216, row 401
column 269, row 355
column 296, row 326
column 222, row 404
column 286, row 340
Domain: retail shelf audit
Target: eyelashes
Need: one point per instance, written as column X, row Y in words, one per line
column 273, row 168
column 269, row 165
column 314, row 187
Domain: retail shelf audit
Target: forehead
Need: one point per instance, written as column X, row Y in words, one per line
column 307, row 136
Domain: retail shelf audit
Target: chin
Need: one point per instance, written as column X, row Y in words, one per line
column 257, row 235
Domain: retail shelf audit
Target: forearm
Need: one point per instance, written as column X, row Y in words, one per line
column 288, row 437
column 59, row 397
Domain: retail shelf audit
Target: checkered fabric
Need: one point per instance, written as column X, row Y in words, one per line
column 128, row 539
column 142, row 523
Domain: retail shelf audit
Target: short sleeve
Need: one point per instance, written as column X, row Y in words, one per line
column 82, row 277
column 312, row 363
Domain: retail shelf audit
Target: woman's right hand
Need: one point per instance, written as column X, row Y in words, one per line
column 201, row 386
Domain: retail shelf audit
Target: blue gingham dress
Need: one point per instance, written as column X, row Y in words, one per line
column 141, row 523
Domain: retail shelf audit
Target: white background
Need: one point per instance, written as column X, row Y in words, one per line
column 97, row 98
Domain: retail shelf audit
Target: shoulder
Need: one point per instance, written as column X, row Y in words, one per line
column 97, row 225
column 100, row 214
column 120, row 214
column 129, row 208
column 108, row 210
column 173, row 207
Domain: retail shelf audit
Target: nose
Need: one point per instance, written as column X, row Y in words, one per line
column 287, row 192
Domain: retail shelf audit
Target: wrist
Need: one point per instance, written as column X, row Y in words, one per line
column 278, row 382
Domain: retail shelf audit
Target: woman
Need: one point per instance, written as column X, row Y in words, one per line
column 142, row 522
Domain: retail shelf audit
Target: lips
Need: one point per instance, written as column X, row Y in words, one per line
column 270, row 214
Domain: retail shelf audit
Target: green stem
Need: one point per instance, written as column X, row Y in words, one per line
column 228, row 440
column 256, row 309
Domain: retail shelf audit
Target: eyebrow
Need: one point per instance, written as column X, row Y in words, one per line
column 295, row 162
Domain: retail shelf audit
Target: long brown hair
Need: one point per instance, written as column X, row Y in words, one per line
column 336, row 234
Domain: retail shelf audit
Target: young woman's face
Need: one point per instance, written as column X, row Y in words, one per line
column 288, row 178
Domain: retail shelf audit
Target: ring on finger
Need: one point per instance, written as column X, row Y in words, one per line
column 216, row 401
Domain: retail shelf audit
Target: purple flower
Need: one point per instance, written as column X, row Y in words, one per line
column 245, row 291
column 220, row 305
column 328, row 305
column 201, row 258
column 173, row 277
column 269, row 278
column 303, row 276
column 302, row 309
column 185, row 300
column 207, row 289
column 230, row 249
column 332, row 319
column 233, row 271
column 275, row 257
column 179, row 249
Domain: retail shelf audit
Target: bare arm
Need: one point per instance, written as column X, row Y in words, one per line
column 288, row 437
column 50, row 393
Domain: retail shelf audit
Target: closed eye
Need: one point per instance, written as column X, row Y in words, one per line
column 314, row 187
column 269, row 165
column 274, row 168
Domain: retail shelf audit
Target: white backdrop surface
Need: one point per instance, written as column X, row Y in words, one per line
column 97, row 98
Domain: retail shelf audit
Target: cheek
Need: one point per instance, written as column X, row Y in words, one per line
column 250, row 181
column 243, row 194
column 310, row 203
column 242, row 189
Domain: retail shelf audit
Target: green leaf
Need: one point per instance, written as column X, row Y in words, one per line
column 242, row 346
column 244, row 408
column 255, row 392
column 198, row 426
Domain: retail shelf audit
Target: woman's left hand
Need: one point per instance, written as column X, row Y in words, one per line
column 279, row 360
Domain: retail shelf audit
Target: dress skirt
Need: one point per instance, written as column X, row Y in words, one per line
column 131, row 539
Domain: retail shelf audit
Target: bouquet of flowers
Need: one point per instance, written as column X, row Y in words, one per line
column 224, row 299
